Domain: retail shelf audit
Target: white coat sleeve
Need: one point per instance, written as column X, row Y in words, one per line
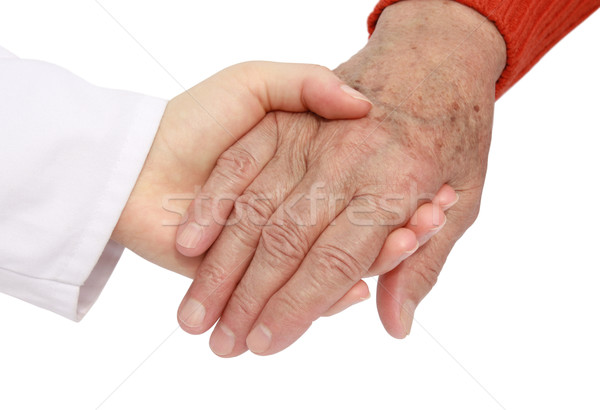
column 70, row 154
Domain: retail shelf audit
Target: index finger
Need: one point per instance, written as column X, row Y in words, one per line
column 337, row 261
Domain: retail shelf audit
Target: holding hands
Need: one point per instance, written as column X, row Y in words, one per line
column 194, row 142
column 295, row 209
column 308, row 207
column 202, row 123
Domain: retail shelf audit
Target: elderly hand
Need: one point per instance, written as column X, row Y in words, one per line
column 198, row 125
column 322, row 201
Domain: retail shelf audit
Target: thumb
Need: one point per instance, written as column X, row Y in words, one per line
column 229, row 104
column 302, row 87
column 402, row 289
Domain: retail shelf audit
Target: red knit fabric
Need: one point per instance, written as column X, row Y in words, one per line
column 530, row 28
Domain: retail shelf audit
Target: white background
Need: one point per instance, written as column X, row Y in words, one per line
column 515, row 310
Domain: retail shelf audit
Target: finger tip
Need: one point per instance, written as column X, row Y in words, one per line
column 448, row 197
column 337, row 103
column 259, row 340
column 423, row 214
column 192, row 239
column 189, row 252
column 396, row 317
column 356, row 95
column 455, row 201
column 407, row 243
column 363, row 107
column 189, row 249
column 192, row 330
column 399, row 335
column 358, row 109
column 191, row 315
column 222, row 341
column 395, row 330
column 361, row 291
column 188, row 329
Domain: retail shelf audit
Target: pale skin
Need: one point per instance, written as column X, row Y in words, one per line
column 200, row 124
column 430, row 70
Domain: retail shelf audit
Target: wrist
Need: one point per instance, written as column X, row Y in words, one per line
column 428, row 56
column 442, row 29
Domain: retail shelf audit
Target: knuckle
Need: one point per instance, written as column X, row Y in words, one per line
column 291, row 309
column 255, row 206
column 340, row 263
column 249, row 217
column 246, row 233
column 212, row 275
column 284, row 241
column 375, row 210
column 244, row 306
column 236, row 164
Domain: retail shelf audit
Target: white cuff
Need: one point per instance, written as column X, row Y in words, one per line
column 71, row 155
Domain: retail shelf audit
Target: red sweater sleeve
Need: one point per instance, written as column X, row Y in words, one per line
column 530, row 28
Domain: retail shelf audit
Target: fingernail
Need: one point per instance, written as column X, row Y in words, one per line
column 431, row 233
column 407, row 314
column 259, row 339
column 405, row 255
column 450, row 205
column 354, row 94
column 222, row 340
column 190, row 237
column 192, row 313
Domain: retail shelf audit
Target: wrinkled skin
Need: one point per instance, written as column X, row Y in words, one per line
column 200, row 124
column 430, row 69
